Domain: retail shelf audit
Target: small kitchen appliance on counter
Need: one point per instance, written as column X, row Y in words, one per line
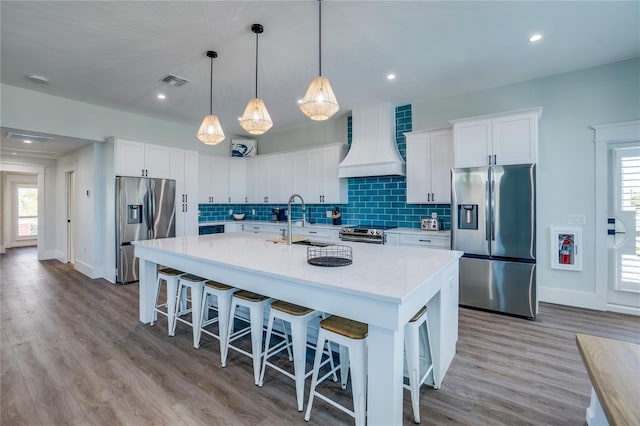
column 431, row 224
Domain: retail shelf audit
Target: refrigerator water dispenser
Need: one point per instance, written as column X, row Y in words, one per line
column 467, row 216
column 134, row 214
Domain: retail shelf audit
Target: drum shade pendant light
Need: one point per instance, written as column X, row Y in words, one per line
column 256, row 120
column 319, row 103
column 210, row 131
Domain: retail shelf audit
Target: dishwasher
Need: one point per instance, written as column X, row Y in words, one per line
column 211, row 229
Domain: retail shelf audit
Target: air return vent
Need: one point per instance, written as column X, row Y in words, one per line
column 174, row 80
column 25, row 137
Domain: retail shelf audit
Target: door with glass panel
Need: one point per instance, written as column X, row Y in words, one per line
column 624, row 225
column 26, row 214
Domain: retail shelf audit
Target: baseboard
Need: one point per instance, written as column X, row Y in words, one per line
column 578, row 299
column 48, row 255
column 630, row 310
column 85, row 269
column 2, row 249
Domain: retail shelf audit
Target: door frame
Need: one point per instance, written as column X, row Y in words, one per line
column 604, row 135
column 70, row 181
column 39, row 171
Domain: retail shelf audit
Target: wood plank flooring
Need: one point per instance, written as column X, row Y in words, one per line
column 72, row 351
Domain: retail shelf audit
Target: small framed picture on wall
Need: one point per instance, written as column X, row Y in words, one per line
column 566, row 249
column 244, row 147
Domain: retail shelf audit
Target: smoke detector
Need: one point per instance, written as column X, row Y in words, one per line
column 38, row 79
column 174, row 80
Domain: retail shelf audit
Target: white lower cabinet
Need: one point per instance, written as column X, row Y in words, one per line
column 437, row 240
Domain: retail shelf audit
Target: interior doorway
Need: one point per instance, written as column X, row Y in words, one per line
column 624, row 224
column 71, row 220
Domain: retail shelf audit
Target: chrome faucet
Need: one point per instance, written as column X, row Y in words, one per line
column 291, row 199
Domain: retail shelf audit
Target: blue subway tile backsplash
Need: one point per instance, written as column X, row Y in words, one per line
column 376, row 200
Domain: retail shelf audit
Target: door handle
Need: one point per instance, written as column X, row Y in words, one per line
column 487, row 222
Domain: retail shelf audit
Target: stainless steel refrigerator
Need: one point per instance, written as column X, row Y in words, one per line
column 145, row 210
column 493, row 220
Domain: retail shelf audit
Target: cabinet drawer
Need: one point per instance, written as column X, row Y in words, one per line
column 426, row 240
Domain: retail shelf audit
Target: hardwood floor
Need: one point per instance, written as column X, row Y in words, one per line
column 72, row 351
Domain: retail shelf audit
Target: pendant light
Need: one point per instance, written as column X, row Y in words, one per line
column 210, row 131
column 256, row 120
column 319, row 103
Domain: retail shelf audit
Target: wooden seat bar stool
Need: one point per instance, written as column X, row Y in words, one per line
column 412, row 341
column 171, row 277
column 223, row 294
column 299, row 318
column 196, row 285
column 352, row 338
column 256, row 303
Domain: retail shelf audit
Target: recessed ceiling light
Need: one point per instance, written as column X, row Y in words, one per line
column 38, row 79
column 299, row 101
column 391, row 76
column 14, row 153
column 535, row 37
column 161, row 96
column 27, row 141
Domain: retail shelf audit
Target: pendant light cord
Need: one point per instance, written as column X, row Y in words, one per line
column 211, row 89
column 257, row 65
column 320, row 37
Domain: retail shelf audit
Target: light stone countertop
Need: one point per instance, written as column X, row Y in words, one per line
column 418, row 231
column 384, row 272
column 264, row 222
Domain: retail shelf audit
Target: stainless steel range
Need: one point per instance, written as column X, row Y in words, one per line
column 373, row 234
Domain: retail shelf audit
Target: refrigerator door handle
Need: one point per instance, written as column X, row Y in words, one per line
column 487, row 220
column 493, row 210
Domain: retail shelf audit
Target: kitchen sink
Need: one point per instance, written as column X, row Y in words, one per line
column 311, row 243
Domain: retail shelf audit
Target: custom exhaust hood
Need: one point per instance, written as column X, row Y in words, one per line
column 373, row 151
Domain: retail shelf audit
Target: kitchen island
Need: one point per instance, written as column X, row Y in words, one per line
column 383, row 287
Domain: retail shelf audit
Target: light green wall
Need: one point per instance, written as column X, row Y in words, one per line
column 37, row 112
column 315, row 133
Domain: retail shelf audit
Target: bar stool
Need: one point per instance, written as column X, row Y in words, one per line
column 223, row 294
column 171, row 277
column 256, row 304
column 196, row 284
column 412, row 354
column 352, row 338
column 298, row 317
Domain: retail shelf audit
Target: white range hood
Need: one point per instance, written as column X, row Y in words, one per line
column 373, row 151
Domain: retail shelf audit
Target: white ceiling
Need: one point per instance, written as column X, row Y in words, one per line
column 113, row 53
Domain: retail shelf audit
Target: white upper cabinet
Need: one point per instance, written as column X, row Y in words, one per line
column 142, row 159
column 237, row 180
column 429, row 163
column 322, row 183
column 509, row 138
column 184, row 170
column 214, row 179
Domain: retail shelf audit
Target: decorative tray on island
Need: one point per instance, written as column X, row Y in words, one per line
column 334, row 255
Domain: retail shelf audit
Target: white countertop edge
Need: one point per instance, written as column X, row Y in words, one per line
column 418, row 231
column 159, row 247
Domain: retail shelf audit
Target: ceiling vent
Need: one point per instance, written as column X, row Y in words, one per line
column 24, row 137
column 174, row 80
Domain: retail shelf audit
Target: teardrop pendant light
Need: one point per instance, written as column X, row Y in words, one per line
column 319, row 103
column 210, row 131
column 255, row 119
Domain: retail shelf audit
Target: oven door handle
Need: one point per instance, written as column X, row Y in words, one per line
column 362, row 239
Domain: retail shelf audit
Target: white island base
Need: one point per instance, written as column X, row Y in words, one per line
column 383, row 287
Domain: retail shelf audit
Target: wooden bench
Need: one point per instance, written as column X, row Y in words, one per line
column 613, row 367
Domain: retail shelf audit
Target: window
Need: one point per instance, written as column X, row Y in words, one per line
column 27, row 223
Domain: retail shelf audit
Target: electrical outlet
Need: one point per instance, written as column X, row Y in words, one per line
column 329, row 214
column 253, row 212
column 230, row 212
column 434, row 215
